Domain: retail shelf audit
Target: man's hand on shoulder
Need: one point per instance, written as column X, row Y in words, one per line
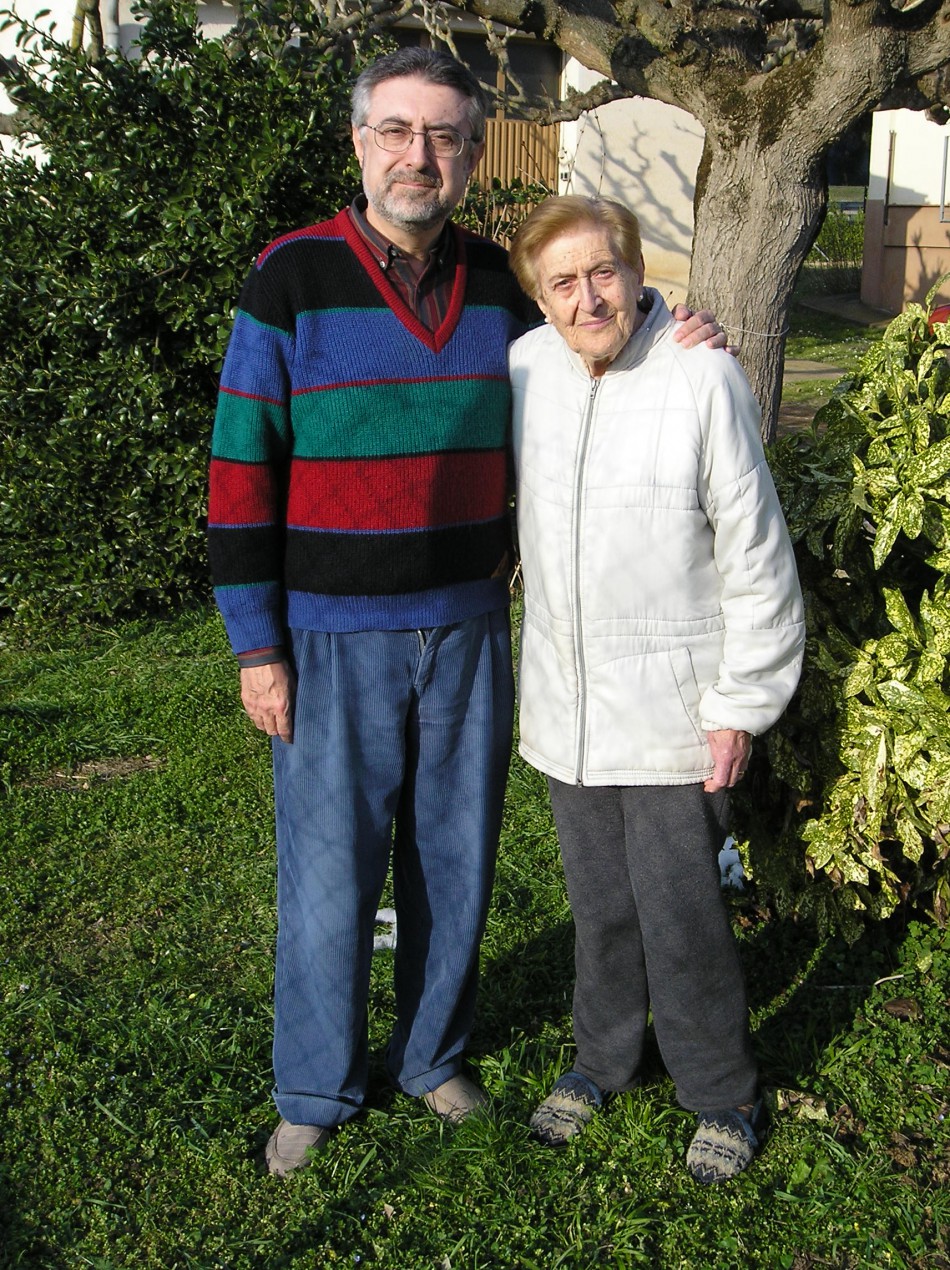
column 267, row 693
column 698, row 328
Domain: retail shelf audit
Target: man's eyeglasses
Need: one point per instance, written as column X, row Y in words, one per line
column 445, row 143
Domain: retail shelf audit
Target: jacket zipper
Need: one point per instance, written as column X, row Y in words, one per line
column 586, row 428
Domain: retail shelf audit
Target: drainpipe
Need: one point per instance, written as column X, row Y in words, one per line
column 891, row 149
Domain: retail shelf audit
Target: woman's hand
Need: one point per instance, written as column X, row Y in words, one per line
column 730, row 752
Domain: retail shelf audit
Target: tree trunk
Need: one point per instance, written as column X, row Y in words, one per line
column 756, row 216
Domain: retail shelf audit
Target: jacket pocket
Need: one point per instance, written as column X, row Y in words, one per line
column 643, row 715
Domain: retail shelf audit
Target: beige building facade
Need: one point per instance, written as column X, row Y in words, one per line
column 644, row 154
column 907, row 215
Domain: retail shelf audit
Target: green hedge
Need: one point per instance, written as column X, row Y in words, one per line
column 834, row 262
column 127, row 225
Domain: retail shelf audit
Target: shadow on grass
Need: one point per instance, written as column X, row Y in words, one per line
column 38, row 713
column 805, row 990
column 11, row 1233
column 527, row 987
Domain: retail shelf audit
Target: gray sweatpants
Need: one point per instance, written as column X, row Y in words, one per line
column 651, row 930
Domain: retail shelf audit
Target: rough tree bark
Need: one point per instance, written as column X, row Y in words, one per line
column 755, row 222
column 773, row 84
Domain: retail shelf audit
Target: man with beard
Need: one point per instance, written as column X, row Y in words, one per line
column 359, row 544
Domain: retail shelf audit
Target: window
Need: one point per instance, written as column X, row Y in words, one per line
column 536, row 66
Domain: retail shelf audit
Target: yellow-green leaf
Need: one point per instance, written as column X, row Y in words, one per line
column 874, row 771
column 858, row 678
column 899, row 696
column 880, row 482
column 912, row 517
column 899, row 615
column 931, row 667
column 887, row 530
column 930, row 466
column 909, row 838
column 892, row 650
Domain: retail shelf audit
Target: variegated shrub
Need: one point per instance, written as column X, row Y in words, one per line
column 852, row 787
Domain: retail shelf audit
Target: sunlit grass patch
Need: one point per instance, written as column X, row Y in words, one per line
column 137, row 930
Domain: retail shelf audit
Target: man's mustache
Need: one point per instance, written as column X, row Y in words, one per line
column 414, row 178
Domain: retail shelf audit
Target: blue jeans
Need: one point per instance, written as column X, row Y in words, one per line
column 401, row 747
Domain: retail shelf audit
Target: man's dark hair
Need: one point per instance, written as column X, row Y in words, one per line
column 436, row 68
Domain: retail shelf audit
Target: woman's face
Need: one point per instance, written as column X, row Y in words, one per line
column 589, row 294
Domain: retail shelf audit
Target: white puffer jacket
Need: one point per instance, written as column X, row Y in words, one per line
column 661, row 595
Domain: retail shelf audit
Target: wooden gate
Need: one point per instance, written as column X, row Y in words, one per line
column 514, row 149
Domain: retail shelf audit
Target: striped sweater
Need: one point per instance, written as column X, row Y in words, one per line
column 359, row 461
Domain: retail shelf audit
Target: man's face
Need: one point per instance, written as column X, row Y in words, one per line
column 589, row 294
column 416, row 191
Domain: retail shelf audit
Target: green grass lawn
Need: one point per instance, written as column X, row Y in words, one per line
column 136, row 944
column 822, row 337
column 819, row 337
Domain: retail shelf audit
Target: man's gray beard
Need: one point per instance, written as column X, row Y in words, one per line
column 404, row 212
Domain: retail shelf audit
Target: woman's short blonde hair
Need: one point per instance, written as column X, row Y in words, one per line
column 562, row 215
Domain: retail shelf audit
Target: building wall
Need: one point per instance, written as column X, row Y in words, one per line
column 907, row 221
column 644, row 154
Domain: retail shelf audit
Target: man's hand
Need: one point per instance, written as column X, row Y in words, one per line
column 698, row 328
column 730, row 752
column 268, row 696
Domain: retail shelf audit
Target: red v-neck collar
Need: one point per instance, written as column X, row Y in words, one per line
column 435, row 340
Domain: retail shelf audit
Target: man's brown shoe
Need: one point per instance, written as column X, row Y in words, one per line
column 290, row 1146
column 457, row 1099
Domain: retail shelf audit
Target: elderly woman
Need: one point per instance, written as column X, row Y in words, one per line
column 662, row 629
